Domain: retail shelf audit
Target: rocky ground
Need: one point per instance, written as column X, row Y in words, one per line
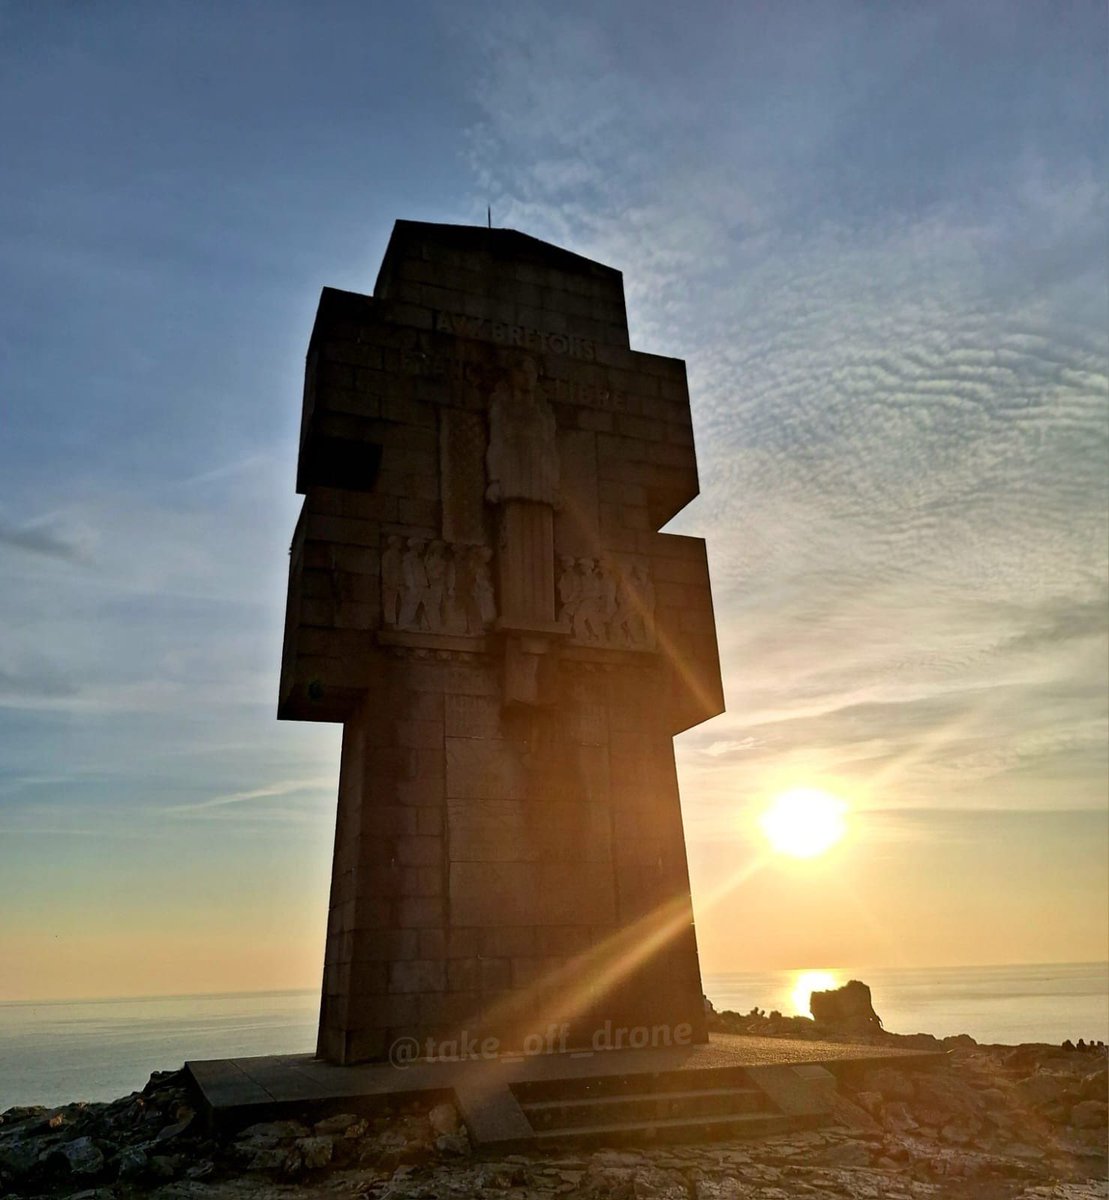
column 1024, row 1122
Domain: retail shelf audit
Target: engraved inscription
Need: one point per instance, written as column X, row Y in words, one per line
column 470, row 374
column 522, row 336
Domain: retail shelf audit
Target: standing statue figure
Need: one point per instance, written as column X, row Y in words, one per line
column 414, row 592
column 484, row 601
column 622, row 627
column 608, row 587
column 456, row 590
column 392, row 579
column 589, row 623
column 645, row 607
column 522, row 459
column 569, row 592
column 472, row 591
column 435, row 568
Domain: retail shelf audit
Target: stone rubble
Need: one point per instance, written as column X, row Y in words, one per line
column 994, row 1123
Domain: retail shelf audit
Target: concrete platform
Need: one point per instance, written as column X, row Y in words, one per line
column 731, row 1084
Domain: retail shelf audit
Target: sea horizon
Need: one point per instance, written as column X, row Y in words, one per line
column 56, row 1051
column 754, row 972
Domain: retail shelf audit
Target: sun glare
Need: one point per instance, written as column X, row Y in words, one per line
column 805, row 984
column 805, row 822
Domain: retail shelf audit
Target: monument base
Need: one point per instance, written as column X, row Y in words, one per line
column 731, row 1086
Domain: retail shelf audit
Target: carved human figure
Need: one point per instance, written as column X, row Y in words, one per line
column 645, row 605
column 569, row 592
column 484, row 601
column 607, row 603
column 465, row 616
column 522, row 459
column 589, row 623
column 455, row 590
column 414, row 590
column 622, row 627
column 392, row 579
column 435, row 568
column 608, row 590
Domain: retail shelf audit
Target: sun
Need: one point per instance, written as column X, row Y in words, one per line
column 805, row 984
column 805, row 822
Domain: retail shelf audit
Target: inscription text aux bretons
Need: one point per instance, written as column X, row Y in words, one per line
column 522, row 336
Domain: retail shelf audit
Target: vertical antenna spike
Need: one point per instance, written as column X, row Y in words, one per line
column 489, row 215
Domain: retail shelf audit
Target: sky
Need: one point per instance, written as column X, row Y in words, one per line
column 876, row 234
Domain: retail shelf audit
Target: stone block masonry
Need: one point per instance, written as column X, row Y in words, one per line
column 479, row 594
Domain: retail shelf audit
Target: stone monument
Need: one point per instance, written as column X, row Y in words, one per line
column 479, row 593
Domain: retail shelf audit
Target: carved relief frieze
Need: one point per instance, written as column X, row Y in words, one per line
column 432, row 586
column 602, row 602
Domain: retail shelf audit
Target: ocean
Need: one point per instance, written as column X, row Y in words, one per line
column 58, row 1051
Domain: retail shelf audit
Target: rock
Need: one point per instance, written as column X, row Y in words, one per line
column 271, row 1132
column 645, row 1182
column 889, row 1083
column 19, row 1155
column 309, row 1153
column 444, row 1118
column 849, row 1114
column 870, row 1102
column 159, row 1080
column 169, row 1132
column 916, row 1041
column 262, row 1158
column 166, row 1166
column 83, row 1156
column 896, row 1116
column 131, row 1162
column 21, row 1113
column 500, row 1177
column 617, row 1158
column 341, row 1125
column 1090, row 1114
column 404, row 1141
column 843, row 1154
column 957, row 1134
column 1042, row 1088
column 1032, row 1054
column 847, row 1008
column 453, row 1143
column 959, row 1041
column 1095, row 1086
column 1024, row 1151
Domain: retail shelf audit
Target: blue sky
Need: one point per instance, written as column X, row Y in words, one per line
column 876, row 233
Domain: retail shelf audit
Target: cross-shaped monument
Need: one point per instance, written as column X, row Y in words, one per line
column 479, row 593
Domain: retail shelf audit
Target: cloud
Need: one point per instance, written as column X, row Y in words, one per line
column 211, row 807
column 899, row 389
column 45, row 536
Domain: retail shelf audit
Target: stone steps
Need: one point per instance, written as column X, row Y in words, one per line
column 731, row 1125
column 712, row 1079
column 609, row 1110
column 656, row 1106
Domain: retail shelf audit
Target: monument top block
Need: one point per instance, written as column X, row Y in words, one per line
column 477, row 340
column 506, row 287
